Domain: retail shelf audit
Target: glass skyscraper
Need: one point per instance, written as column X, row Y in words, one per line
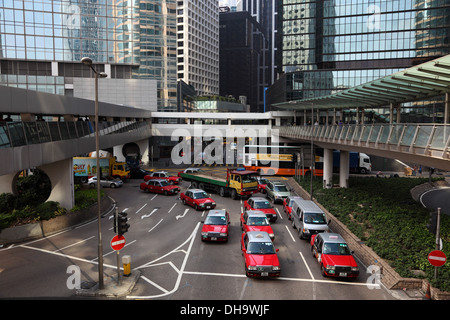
column 331, row 45
column 43, row 41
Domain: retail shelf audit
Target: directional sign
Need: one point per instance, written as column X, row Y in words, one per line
column 118, row 242
column 437, row 258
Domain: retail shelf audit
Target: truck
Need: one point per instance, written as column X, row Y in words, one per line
column 86, row 167
column 359, row 162
column 238, row 182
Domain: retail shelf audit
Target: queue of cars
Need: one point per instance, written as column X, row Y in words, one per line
column 332, row 253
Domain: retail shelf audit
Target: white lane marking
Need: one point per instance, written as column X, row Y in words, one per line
column 293, row 239
column 156, row 225
column 74, row 244
column 304, row 261
column 141, row 208
column 172, row 207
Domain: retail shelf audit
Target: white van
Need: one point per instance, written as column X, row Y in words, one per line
column 308, row 218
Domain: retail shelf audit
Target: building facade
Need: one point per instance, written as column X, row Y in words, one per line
column 242, row 58
column 198, row 45
column 331, row 45
column 43, row 41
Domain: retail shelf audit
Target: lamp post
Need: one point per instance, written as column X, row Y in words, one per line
column 88, row 62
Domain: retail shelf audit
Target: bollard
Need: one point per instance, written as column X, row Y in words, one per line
column 126, row 260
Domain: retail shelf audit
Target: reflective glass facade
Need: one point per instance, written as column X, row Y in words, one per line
column 43, row 41
column 67, row 30
column 330, row 45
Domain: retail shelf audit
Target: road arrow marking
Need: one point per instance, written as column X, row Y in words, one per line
column 148, row 215
column 182, row 216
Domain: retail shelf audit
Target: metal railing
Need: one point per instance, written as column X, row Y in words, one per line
column 15, row 134
column 414, row 138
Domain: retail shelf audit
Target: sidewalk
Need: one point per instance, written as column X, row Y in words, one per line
column 111, row 288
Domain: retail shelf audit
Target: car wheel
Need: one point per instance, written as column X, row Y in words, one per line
column 322, row 271
column 92, row 185
column 112, row 185
column 222, row 191
column 184, row 201
column 234, row 194
column 165, row 192
column 293, row 224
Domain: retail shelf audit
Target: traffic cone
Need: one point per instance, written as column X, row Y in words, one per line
column 428, row 293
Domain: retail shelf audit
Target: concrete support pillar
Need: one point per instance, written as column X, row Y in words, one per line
column 447, row 109
column 327, row 168
column 344, row 169
column 61, row 178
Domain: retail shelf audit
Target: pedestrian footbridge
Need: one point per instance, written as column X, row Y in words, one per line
column 426, row 144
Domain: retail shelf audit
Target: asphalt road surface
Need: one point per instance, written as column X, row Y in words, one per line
column 164, row 244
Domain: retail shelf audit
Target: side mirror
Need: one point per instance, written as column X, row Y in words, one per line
column 276, row 250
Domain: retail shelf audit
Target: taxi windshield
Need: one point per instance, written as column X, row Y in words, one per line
column 262, row 204
column 260, row 248
column 341, row 249
column 280, row 188
column 214, row 220
column 257, row 221
column 200, row 195
column 263, row 181
column 315, row 218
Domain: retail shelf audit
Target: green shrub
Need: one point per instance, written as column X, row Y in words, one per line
column 382, row 213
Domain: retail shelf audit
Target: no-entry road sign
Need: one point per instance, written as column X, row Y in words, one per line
column 437, row 258
column 118, row 242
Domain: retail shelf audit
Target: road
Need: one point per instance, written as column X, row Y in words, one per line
column 437, row 198
column 164, row 244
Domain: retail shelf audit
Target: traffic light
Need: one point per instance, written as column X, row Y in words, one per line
column 123, row 225
column 432, row 225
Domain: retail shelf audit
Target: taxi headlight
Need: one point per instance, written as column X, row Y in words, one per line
column 355, row 269
column 253, row 268
column 271, row 235
column 276, row 268
column 223, row 234
column 204, row 234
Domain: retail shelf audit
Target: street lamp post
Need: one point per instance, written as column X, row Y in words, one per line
column 88, row 62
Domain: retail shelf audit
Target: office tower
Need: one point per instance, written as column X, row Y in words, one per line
column 198, row 45
column 134, row 42
column 242, row 58
column 332, row 45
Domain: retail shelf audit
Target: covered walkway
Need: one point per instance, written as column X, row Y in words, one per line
column 426, row 144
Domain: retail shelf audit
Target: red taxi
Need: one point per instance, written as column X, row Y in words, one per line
column 334, row 255
column 260, row 256
column 261, row 204
column 198, row 199
column 162, row 175
column 216, row 226
column 255, row 220
column 159, row 186
column 262, row 182
column 288, row 203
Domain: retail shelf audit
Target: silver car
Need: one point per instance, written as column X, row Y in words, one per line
column 106, row 181
column 277, row 191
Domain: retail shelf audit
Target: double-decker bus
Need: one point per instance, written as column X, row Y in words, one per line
column 271, row 160
column 280, row 160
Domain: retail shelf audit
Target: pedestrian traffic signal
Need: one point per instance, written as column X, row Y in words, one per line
column 432, row 222
column 123, row 225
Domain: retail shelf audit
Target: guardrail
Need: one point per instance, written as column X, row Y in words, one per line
column 412, row 138
column 15, row 134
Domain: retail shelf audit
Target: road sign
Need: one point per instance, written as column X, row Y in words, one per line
column 437, row 258
column 118, row 242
